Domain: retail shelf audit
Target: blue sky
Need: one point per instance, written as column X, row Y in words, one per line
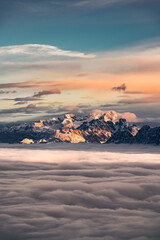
column 77, row 56
column 79, row 25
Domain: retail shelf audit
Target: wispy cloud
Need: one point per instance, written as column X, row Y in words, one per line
column 37, row 50
column 7, row 92
column 30, row 108
column 61, row 6
column 94, row 4
column 151, row 98
column 26, row 99
column 47, row 92
column 20, row 103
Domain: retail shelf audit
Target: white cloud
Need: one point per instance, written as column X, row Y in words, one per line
column 130, row 117
column 39, row 50
column 91, row 195
column 114, row 116
column 143, row 49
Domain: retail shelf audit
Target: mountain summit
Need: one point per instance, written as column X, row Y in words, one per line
column 96, row 127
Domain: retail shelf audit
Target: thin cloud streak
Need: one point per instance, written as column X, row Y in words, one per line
column 62, row 6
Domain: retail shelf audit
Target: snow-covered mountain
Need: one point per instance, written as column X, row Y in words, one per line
column 96, row 127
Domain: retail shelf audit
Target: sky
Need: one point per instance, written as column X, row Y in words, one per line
column 60, row 56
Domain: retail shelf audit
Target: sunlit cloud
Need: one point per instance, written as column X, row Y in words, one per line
column 123, row 77
column 37, row 50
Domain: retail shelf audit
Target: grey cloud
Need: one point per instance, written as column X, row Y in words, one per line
column 27, row 99
column 120, row 88
column 17, row 85
column 22, row 99
column 7, row 92
column 35, row 97
column 20, row 103
column 47, row 92
column 79, row 195
column 108, row 106
column 31, row 108
column 135, row 92
column 135, row 101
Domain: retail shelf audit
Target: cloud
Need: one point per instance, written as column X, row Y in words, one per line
column 130, row 117
column 93, row 4
column 64, row 84
column 71, row 108
column 59, row 7
column 47, row 92
column 79, row 194
column 114, row 116
column 87, row 78
column 31, row 108
column 20, row 103
column 142, row 60
column 7, row 92
column 42, row 109
column 26, row 99
column 122, row 87
column 38, row 50
column 63, row 109
column 151, row 98
column 15, row 85
column 135, row 92
column 22, row 100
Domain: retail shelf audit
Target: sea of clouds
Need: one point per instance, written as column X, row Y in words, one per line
column 57, row 192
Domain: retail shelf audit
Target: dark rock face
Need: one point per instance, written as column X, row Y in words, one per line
column 123, row 133
column 98, row 125
column 17, row 137
column 147, row 135
column 121, row 137
column 76, row 128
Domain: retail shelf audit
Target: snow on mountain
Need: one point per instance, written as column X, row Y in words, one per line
column 96, row 127
column 96, row 114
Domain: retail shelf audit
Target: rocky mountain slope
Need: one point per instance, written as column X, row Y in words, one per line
column 96, row 127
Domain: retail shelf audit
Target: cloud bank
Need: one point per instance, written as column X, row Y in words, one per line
column 77, row 195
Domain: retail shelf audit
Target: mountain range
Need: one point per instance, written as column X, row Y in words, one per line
column 96, row 127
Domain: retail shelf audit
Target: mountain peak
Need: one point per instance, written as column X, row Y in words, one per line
column 96, row 127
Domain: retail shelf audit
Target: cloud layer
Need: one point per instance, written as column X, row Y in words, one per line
column 77, row 195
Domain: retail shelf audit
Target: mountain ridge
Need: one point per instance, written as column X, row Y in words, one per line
column 96, row 127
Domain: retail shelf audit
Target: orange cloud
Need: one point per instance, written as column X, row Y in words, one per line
column 144, row 83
